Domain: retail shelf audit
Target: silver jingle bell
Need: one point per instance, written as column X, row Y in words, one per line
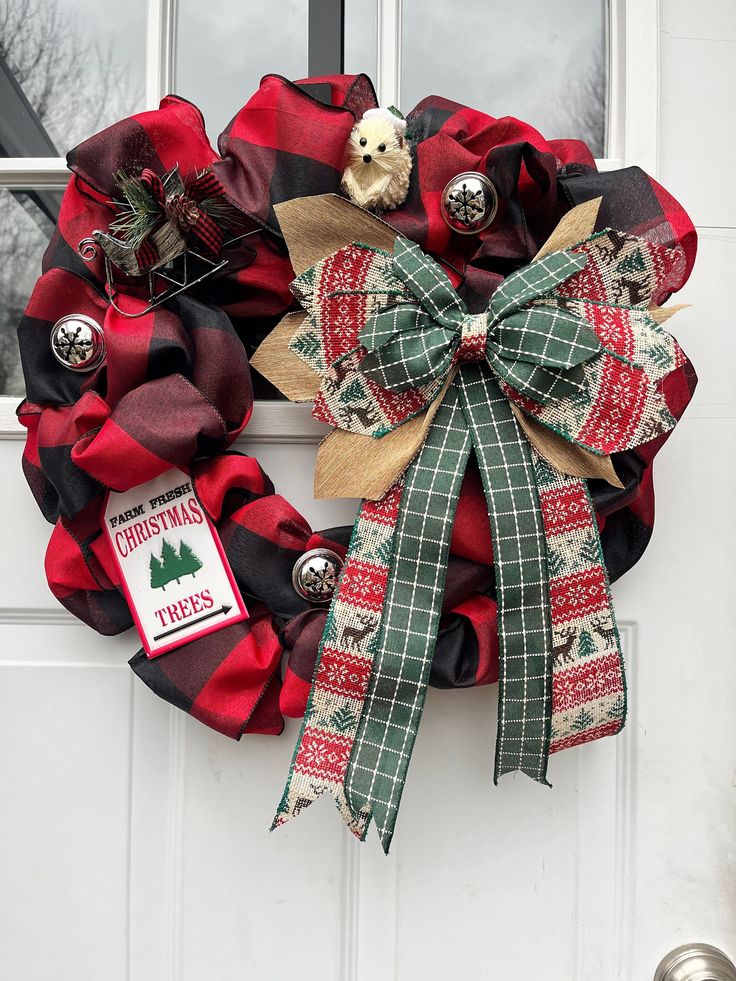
column 469, row 203
column 78, row 343
column 315, row 575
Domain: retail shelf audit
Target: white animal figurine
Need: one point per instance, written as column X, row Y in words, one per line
column 377, row 161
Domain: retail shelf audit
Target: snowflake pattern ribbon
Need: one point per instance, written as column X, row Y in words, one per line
column 569, row 338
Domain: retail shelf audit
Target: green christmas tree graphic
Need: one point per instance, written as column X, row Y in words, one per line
column 190, row 564
column 587, row 644
column 172, row 564
column 157, row 573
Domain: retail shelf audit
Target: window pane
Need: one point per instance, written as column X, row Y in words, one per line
column 542, row 62
column 361, row 22
column 67, row 69
column 223, row 49
column 26, row 221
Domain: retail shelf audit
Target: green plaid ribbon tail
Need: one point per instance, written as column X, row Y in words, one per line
column 522, row 585
column 393, row 707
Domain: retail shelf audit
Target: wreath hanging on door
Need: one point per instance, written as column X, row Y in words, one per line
column 477, row 314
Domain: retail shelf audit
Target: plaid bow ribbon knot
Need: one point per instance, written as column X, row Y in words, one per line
column 536, row 349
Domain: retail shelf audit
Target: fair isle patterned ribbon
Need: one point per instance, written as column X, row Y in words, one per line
column 588, row 681
column 605, row 404
column 588, row 689
column 344, row 663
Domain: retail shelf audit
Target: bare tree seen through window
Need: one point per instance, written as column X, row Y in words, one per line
column 75, row 85
column 580, row 108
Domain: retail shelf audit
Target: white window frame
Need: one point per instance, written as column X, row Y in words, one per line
column 632, row 138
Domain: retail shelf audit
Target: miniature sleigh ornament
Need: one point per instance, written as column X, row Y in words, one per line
column 561, row 370
column 160, row 220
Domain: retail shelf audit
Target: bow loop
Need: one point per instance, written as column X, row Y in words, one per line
column 413, row 344
column 547, row 336
column 534, row 281
column 205, row 186
column 534, row 381
column 406, row 348
column 389, row 323
column 535, row 348
column 428, row 283
column 154, row 184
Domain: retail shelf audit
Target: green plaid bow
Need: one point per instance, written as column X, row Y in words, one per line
column 537, row 350
column 570, row 339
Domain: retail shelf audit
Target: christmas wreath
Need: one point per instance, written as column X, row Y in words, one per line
column 477, row 314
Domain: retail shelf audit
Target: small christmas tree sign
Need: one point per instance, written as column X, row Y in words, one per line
column 172, row 564
column 186, row 551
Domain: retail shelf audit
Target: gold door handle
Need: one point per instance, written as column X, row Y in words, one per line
column 696, row 962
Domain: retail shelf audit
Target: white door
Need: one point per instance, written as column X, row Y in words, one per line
column 133, row 840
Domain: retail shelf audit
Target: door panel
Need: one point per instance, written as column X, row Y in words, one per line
column 65, row 713
column 135, row 842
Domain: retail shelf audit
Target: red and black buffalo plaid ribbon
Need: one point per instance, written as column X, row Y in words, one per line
column 175, row 387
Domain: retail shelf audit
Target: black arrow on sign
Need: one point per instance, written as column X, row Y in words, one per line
column 167, row 633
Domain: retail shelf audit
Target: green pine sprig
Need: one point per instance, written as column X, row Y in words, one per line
column 138, row 213
column 172, row 182
column 221, row 212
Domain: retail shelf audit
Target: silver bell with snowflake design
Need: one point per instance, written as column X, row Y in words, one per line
column 469, row 203
column 315, row 575
column 78, row 343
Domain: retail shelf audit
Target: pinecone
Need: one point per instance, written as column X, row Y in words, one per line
column 181, row 210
